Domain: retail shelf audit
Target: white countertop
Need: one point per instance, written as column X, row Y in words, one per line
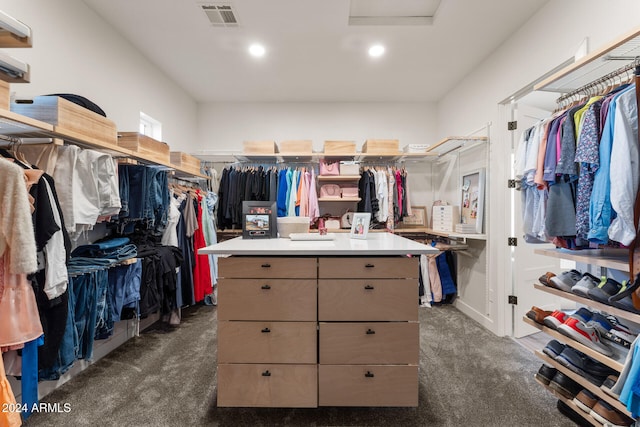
column 375, row 244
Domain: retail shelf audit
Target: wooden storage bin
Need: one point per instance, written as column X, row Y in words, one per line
column 185, row 161
column 145, row 146
column 4, row 95
column 296, row 147
column 339, row 148
column 68, row 117
column 259, row 147
column 381, row 146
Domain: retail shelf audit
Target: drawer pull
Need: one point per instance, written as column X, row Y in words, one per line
column 266, row 373
column 369, row 265
column 266, row 287
column 368, row 287
column 370, row 332
column 266, row 265
column 368, row 374
column 266, row 330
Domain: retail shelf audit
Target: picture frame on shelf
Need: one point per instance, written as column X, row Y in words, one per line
column 418, row 217
column 360, row 225
column 259, row 220
column 472, row 198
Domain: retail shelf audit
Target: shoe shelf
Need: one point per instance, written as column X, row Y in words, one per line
column 616, row 259
column 618, row 312
column 616, row 361
column 584, row 383
column 569, row 402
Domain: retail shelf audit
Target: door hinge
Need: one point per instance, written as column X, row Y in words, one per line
column 511, row 183
column 512, row 125
column 512, row 241
column 513, row 300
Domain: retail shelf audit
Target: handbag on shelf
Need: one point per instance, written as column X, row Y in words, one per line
column 346, row 220
column 328, row 168
column 349, row 191
column 331, row 191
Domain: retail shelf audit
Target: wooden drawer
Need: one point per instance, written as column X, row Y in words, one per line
column 267, row 342
column 291, row 386
column 367, row 385
column 368, row 267
column 367, row 300
column 369, row 343
column 261, row 267
column 267, row 299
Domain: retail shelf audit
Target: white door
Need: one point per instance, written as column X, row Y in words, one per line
column 526, row 266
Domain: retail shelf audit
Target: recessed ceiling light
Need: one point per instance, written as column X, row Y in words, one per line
column 376, row 50
column 257, row 50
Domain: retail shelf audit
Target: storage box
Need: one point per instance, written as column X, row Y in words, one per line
column 145, row 146
column 185, row 161
column 339, row 148
column 293, row 224
column 259, row 147
column 444, row 218
column 416, row 148
column 296, row 147
column 349, row 168
column 381, row 146
column 68, row 117
column 4, row 95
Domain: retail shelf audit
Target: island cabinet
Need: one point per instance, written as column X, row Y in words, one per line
column 317, row 324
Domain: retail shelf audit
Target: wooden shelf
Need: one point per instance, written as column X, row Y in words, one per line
column 10, row 40
column 595, row 65
column 569, row 403
column 338, row 178
column 342, row 199
column 584, row 383
column 616, row 259
column 616, row 361
column 633, row 317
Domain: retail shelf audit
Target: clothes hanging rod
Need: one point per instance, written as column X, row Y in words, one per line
column 595, row 83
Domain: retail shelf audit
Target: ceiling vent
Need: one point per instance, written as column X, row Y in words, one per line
column 220, row 14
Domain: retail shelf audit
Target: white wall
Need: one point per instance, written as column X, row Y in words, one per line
column 224, row 126
column 75, row 51
column 548, row 39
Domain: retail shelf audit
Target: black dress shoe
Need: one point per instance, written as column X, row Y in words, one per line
column 546, row 373
column 565, row 385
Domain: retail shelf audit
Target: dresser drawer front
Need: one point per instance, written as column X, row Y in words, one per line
column 290, row 386
column 261, row 267
column 367, row 300
column 368, row 267
column 267, row 299
column 367, row 385
column 369, row 343
column 267, row 342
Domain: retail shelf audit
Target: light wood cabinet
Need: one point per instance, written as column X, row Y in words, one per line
column 272, row 352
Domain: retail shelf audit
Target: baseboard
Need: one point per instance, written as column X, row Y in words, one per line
column 474, row 314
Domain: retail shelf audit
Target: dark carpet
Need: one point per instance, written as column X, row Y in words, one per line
column 468, row 377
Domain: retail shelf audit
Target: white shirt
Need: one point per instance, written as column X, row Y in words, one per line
column 624, row 168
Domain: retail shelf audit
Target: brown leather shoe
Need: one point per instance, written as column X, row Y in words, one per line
column 537, row 314
column 544, row 279
column 605, row 414
column 585, row 400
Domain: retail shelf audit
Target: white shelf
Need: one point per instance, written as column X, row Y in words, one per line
column 452, row 143
column 616, row 259
column 338, row 178
column 342, row 199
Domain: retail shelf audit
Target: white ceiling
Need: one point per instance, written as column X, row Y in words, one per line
column 312, row 52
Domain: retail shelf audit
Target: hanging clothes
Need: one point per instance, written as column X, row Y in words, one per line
column 202, row 284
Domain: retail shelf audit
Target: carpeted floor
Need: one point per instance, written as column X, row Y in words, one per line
column 468, row 377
